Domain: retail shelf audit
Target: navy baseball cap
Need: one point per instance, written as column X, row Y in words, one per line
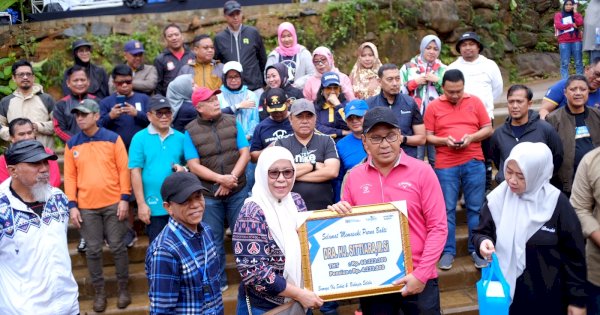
column 134, row 47
column 330, row 78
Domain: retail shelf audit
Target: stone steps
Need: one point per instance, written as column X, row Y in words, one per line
column 457, row 286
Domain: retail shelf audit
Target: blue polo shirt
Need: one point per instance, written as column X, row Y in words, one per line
column 155, row 156
column 556, row 95
column 190, row 151
column 351, row 152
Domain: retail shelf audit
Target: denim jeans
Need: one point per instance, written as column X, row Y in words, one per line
column 424, row 303
column 471, row 177
column 98, row 224
column 157, row 224
column 566, row 51
column 426, row 150
column 250, row 168
column 217, row 211
column 593, row 292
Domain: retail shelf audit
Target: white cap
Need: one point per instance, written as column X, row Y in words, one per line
column 232, row 65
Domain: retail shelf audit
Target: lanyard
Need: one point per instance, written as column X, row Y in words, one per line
column 189, row 250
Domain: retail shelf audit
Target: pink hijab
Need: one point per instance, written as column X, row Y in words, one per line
column 291, row 51
column 325, row 52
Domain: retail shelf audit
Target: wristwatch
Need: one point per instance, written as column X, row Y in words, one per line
column 404, row 139
column 314, row 164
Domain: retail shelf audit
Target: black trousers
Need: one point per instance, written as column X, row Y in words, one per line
column 424, row 303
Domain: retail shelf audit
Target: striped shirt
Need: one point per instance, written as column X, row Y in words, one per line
column 180, row 283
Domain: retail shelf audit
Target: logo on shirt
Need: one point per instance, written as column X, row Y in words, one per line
column 365, row 188
column 547, row 229
column 75, row 153
column 404, row 185
column 404, row 112
column 278, row 134
column 305, row 156
column 246, row 41
column 582, row 132
column 170, row 66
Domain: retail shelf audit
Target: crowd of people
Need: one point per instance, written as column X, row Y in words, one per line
column 224, row 136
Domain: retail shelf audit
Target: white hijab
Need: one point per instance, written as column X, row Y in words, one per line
column 282, row 215
column 518, row 217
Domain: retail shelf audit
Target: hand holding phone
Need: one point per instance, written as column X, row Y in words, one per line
column 120, row 100
column 459, row 143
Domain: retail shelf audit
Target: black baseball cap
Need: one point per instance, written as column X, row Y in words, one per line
column 80, row 43
column 275, row 100
column 27, row 151
column 158, row 102
column 179, row 186
column 231, row 6
column 469, row 35
column 379, row 115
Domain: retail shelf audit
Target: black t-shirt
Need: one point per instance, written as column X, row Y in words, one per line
column 267, row 131
column 320, row 148
column 583, row 140
column 36, row 206
column 518, row 130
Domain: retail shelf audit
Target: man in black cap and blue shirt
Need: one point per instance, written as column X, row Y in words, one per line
column 145, row 76
column 154, row 154
column 275, row 126
column 482, row 79
column 403, row 106
column 182, row 263
column 36, row 268
column 242, row 43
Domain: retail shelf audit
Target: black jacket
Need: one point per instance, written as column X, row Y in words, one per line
column 168, row 66
column 503, row 141
column 249, row 51
column 555, row 270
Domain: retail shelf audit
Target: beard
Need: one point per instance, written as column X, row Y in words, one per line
column 41, row 191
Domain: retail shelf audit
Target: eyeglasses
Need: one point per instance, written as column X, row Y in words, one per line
column 167, row 114
column 22, row 75
column 120, row 83
column 320, row 62
column 237, row 77
column 287, row 173
column 392, row 137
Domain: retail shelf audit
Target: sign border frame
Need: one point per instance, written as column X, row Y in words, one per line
column 358, row 210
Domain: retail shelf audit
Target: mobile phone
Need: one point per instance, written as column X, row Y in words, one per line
column 459, row 142
column 121, row 100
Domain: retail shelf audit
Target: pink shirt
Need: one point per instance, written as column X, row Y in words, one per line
column 54, row 171
column 414, row 181
column 313, row 83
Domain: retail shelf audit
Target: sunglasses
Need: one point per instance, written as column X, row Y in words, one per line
column 163, row 114
column 287, row 173
column 119, row 83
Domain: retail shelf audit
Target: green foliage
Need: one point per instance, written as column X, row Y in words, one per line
column 344, row 20
column 446, row 55
column 270, row 43
column 5, row 4
column 545, row 47
column 7, row 85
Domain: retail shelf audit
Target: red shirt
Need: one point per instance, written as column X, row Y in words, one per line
column 445, row 119
column 54, row 171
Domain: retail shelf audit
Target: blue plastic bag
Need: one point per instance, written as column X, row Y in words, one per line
column 493, row 292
